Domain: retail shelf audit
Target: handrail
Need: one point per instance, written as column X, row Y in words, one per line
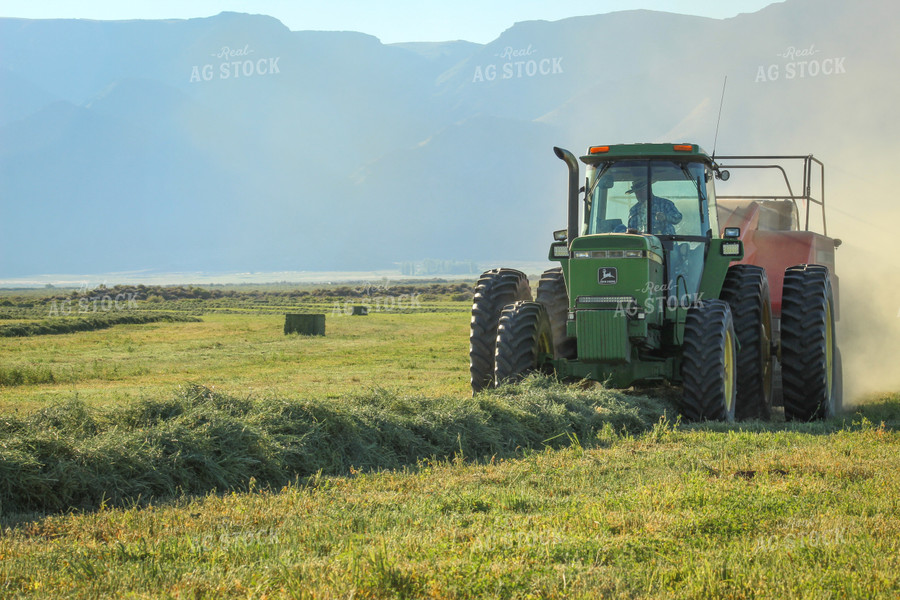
column 808, row 161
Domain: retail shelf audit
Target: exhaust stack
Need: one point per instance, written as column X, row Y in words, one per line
column 572, row 164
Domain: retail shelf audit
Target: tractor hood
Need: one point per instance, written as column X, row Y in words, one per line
column 609, row 268
column 617, row 245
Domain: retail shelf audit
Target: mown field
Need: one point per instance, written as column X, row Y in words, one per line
column 410, row 341
column 223, row 459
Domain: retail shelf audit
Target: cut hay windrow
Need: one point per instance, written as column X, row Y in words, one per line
column 73, row 325
column 71, row 456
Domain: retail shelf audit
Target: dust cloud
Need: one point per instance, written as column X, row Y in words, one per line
column 866, row 216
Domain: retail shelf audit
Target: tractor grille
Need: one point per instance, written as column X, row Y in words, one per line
column 602, row 335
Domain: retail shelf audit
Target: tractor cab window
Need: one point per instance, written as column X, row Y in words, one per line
column 665, row 198
column 648, row 196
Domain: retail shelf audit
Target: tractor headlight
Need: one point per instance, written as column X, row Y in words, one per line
column 732, row 249
column 607, row 301
column 582, row 254
column 560, row 250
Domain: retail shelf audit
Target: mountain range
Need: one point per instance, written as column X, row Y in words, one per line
column 232, row 143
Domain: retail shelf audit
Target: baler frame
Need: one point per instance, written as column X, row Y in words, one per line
column 810, row 163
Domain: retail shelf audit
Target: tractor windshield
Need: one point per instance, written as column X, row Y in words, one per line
column 660, row 197
column 665, row 198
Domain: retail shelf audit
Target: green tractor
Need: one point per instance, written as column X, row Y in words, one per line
column 660, row 280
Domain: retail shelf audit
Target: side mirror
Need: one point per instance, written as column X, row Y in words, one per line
column 837, row 243
column 723, row 175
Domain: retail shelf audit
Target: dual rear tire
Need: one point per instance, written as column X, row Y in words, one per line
column 509, row 335
column 495, row 290
column 811, row 370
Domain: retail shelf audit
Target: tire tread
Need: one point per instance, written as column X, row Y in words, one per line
column 494, row 290
column 702, row 366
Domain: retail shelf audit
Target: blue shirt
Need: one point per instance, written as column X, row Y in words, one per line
column 637, row 216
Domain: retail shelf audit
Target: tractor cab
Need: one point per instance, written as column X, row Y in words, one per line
column 669, row 197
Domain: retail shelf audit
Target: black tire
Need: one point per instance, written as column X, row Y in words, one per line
column 746, row 290
column 808, row 357
column 495, row 289
column 777, row 391
column 838, row 380
column 524, row 341
column 709, row 363
column 552, row 294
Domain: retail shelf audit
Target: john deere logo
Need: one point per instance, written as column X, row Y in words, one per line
column 608, row 275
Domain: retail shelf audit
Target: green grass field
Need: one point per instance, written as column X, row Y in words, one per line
column 242, row 463
column 241, row 354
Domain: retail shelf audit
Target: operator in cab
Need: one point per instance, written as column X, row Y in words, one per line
column 665, row 215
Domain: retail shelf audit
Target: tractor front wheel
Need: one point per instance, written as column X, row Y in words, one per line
column 746, row 290
column 709, row 363
column 524, row 342
column 495, row 289
column 552, row 294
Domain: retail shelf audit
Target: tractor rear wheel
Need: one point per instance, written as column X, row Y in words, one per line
column 524, row 341
column 709, row 363
column 808, row 348
column 552, row 294
column 746, row 290
column 838, row 384
column 495, row 289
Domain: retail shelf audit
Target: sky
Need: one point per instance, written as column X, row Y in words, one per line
column 392, row 21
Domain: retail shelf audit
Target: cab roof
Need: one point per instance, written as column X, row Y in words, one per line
column 598, row 154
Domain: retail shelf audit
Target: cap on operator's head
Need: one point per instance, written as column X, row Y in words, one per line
column 638, row 184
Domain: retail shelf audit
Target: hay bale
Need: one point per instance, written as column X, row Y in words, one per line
column 304, row 324
column 360, row 310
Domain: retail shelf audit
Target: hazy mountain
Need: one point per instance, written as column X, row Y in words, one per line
column 233, row 143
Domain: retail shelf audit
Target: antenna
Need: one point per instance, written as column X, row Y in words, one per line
column 721, row 102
